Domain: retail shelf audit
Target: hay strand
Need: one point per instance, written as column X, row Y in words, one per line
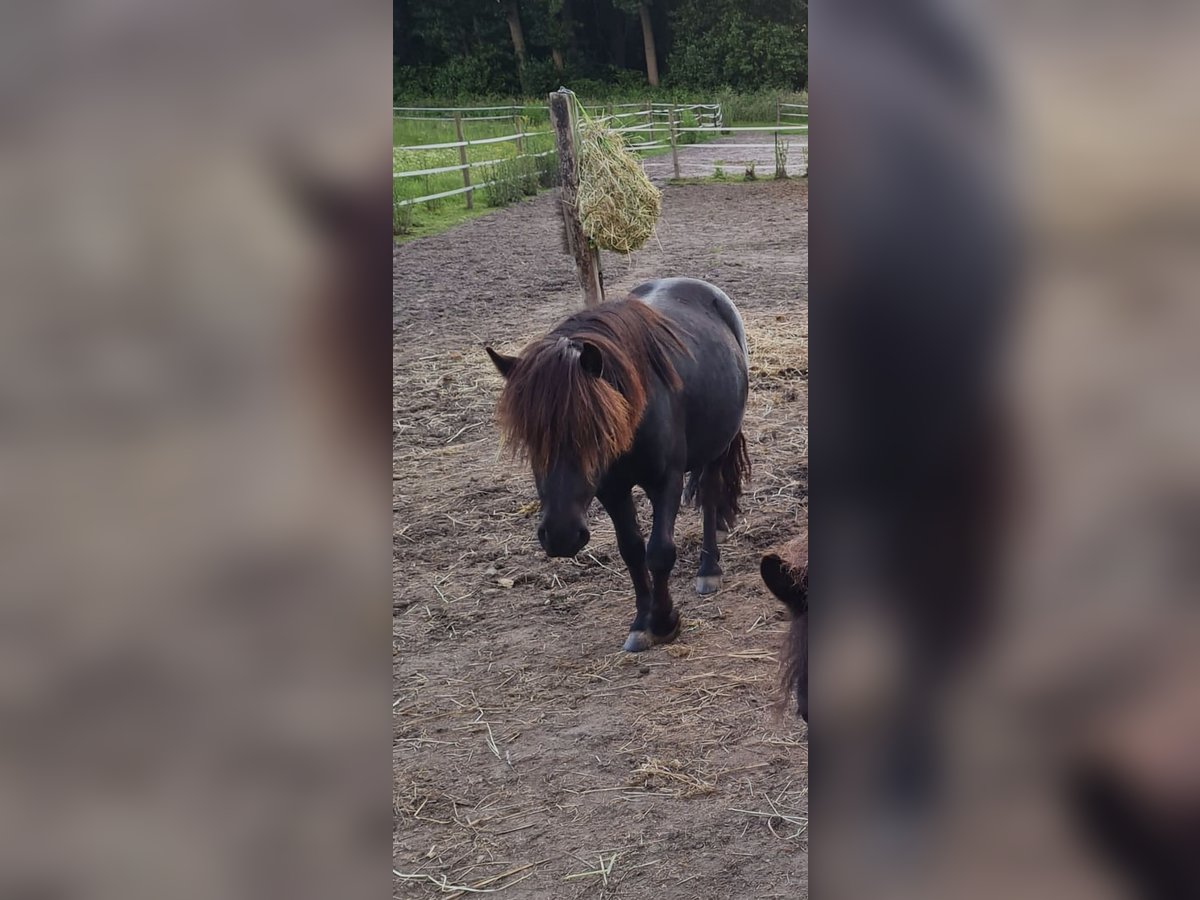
column 618, row 206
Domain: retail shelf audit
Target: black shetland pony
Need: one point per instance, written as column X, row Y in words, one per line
column 785, row 573
column 636, row 392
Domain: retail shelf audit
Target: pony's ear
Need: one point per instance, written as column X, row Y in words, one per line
column 590, row 359
column 503, row 364
column 784, row 584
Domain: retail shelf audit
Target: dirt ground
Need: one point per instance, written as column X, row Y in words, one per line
column 532, row 757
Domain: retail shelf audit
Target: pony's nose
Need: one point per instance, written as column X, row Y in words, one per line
column 570, row 548
column 563, row 541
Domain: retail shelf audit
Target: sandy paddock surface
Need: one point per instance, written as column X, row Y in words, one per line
column 532, row 757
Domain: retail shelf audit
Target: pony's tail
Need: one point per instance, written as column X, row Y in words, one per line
column 720, row 483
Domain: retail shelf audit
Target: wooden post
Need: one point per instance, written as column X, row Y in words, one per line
column 520, row 134
column 462, row 158
column 780, row 169
column 587, row 257
column 650, row 119
column 671, row 131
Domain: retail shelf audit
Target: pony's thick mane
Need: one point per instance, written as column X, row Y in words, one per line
column 794, row 667
column 794, row 555
column 552, row 409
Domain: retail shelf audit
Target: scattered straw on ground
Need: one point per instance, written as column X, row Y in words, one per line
column 671, row 777
column 527, row 747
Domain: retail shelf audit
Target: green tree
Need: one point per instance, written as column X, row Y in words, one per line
column 467, row 48
column 552, row 25
column 743, row 45
column 512, row 14
column 642, row 9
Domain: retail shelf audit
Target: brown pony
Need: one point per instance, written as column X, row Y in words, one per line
column 553, row 406
column 785, row 573
column 637, row 392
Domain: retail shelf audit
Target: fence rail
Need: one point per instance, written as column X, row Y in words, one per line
column 651, row 126
column 464, row 108
column 465, row 189
column 492, row 140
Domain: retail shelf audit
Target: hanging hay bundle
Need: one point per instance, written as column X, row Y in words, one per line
column 618, row 206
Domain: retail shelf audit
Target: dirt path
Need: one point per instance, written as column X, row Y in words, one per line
column 700, row 159
column 529, row 751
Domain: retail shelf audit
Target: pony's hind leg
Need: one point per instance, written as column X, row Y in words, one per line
column 708, row 578
column 723, row 527
column 720, row 488
column 691, row 496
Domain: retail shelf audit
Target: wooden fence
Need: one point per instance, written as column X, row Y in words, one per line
column 464, row 165
column 648, row 126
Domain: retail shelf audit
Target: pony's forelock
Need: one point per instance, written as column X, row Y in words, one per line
column 551, row 409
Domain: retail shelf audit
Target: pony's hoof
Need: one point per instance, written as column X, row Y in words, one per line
column 708, row 584
column 676, row 626
column 638, row 641
column 644, row 640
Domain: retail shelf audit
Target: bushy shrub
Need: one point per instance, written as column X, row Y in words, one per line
column 435, row 204
column 781, row 157
column 402, row 213
column 687, row 120
column 489, row 71
column 547, row 170
column 541, row 77
column 509, row 180
column 720, row 42
column 527, row 175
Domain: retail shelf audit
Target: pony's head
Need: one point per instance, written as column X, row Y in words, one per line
column 785, row 574
column 572, row 403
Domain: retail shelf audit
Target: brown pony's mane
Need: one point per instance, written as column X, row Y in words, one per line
column 794, row 555
column 552, row 409
column 794, row 666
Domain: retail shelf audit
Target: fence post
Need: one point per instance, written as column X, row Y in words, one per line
column 462, row 158
column 671, row 131
column 780, row 160
column 650, row 119
column 520, row 134
column 587, row 257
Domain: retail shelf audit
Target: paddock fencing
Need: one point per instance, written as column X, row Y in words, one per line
column 673, row 139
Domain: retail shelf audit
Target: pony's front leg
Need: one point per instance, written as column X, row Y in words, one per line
column 660, row 559
column 633, row 551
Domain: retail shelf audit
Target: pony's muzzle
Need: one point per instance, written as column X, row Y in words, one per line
column 563, row 541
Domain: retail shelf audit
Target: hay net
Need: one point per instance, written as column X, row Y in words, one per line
column 618, row 206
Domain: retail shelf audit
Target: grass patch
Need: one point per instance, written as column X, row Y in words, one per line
column 412, row 220
column 429, row 223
